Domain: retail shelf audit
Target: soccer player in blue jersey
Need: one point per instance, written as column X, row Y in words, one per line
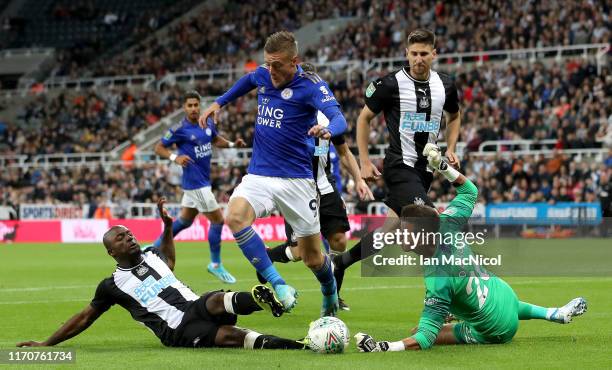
column 280, row 172
column 194, row 152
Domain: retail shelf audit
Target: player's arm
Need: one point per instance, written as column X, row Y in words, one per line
column 348, row 160
column 73, row 327
column 242, row 87
column 167, row 242
column 221, row 142
column 369, row 172
column 453, row 123
column 437, row 304
column 161, row 149
column 324, row 100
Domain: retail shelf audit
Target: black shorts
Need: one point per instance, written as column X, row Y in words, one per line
column 409, row 187
column 199, row 328
column 332, row 217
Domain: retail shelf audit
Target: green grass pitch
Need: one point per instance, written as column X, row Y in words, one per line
column 42, row 285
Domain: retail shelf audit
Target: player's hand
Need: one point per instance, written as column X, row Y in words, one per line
column 453, row 159
column 240, row 143
column 183, row 160
column 369, row 172
column 319, row 131
column 363, row 190
column 365, row 343
column 213, row 110
column 31, row 343
column 432, row 152
column 163, row 212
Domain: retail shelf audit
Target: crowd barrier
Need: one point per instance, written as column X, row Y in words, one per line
column 78, row 230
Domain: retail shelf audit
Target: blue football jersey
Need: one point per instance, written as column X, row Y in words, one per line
column 284, row 116
column 195, row 143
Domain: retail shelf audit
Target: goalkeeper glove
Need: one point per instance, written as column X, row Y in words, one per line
column 435, row 160
column 365, row 343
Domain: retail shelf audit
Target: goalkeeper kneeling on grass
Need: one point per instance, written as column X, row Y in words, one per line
column 487, row 308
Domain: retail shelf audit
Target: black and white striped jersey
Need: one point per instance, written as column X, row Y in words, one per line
column 150, row 292
column 413, row 112
column 321, row 163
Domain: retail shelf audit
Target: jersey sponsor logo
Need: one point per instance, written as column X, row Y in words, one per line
column 150, row 288
column 287, row 93
column 416, row 122
column 321, row 150
column 202, row 151
column 269, row 116
column 370, row 90
column 208, row 132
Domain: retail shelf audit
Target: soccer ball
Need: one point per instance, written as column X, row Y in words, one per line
column 328, row 335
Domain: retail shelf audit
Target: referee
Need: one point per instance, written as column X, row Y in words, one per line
column 414, row 100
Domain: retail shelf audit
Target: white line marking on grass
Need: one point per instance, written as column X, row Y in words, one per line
column 43, row 288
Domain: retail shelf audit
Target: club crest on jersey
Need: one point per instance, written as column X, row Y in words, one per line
column 208, row 132
column 141, row 270
column 370, row 90
column 287, row 93
column 424, row 103
column 419, row 201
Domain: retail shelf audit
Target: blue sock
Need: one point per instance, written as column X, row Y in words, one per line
column 326, row 245
column 177, row 226
column 254, row 250
column 214, row 240
column 326, row 277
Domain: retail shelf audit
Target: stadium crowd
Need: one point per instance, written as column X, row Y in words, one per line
column 568, row 102
column 466, row 26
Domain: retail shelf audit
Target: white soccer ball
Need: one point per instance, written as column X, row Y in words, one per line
column 328, row 335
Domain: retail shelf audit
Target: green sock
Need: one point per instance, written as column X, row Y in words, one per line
column 528, row 311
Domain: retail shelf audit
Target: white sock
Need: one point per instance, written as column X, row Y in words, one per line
column 396, row 346
column 227, row 302
column 249, row 339
column 550, row 312
column 289, row 254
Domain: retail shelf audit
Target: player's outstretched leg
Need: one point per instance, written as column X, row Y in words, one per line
column 320, row 265
column 561, row 315
column 231, row 336
column 215, row 266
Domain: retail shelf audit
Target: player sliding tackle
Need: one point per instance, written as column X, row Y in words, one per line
column 487, row 306
column 144, row 284
column 280, row 172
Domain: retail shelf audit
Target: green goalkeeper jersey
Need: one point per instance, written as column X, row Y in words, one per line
column 467, row 291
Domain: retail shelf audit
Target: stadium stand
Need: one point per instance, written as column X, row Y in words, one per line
column 466, row 26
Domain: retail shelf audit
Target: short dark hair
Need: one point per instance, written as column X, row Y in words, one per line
column 281, row 41
column 422, row 36
column 308, row 67
column 422, row 217
column 192, row 94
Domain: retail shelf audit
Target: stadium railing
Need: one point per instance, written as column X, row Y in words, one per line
column 240, row 156
column 110, row 81
column 348, row 67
